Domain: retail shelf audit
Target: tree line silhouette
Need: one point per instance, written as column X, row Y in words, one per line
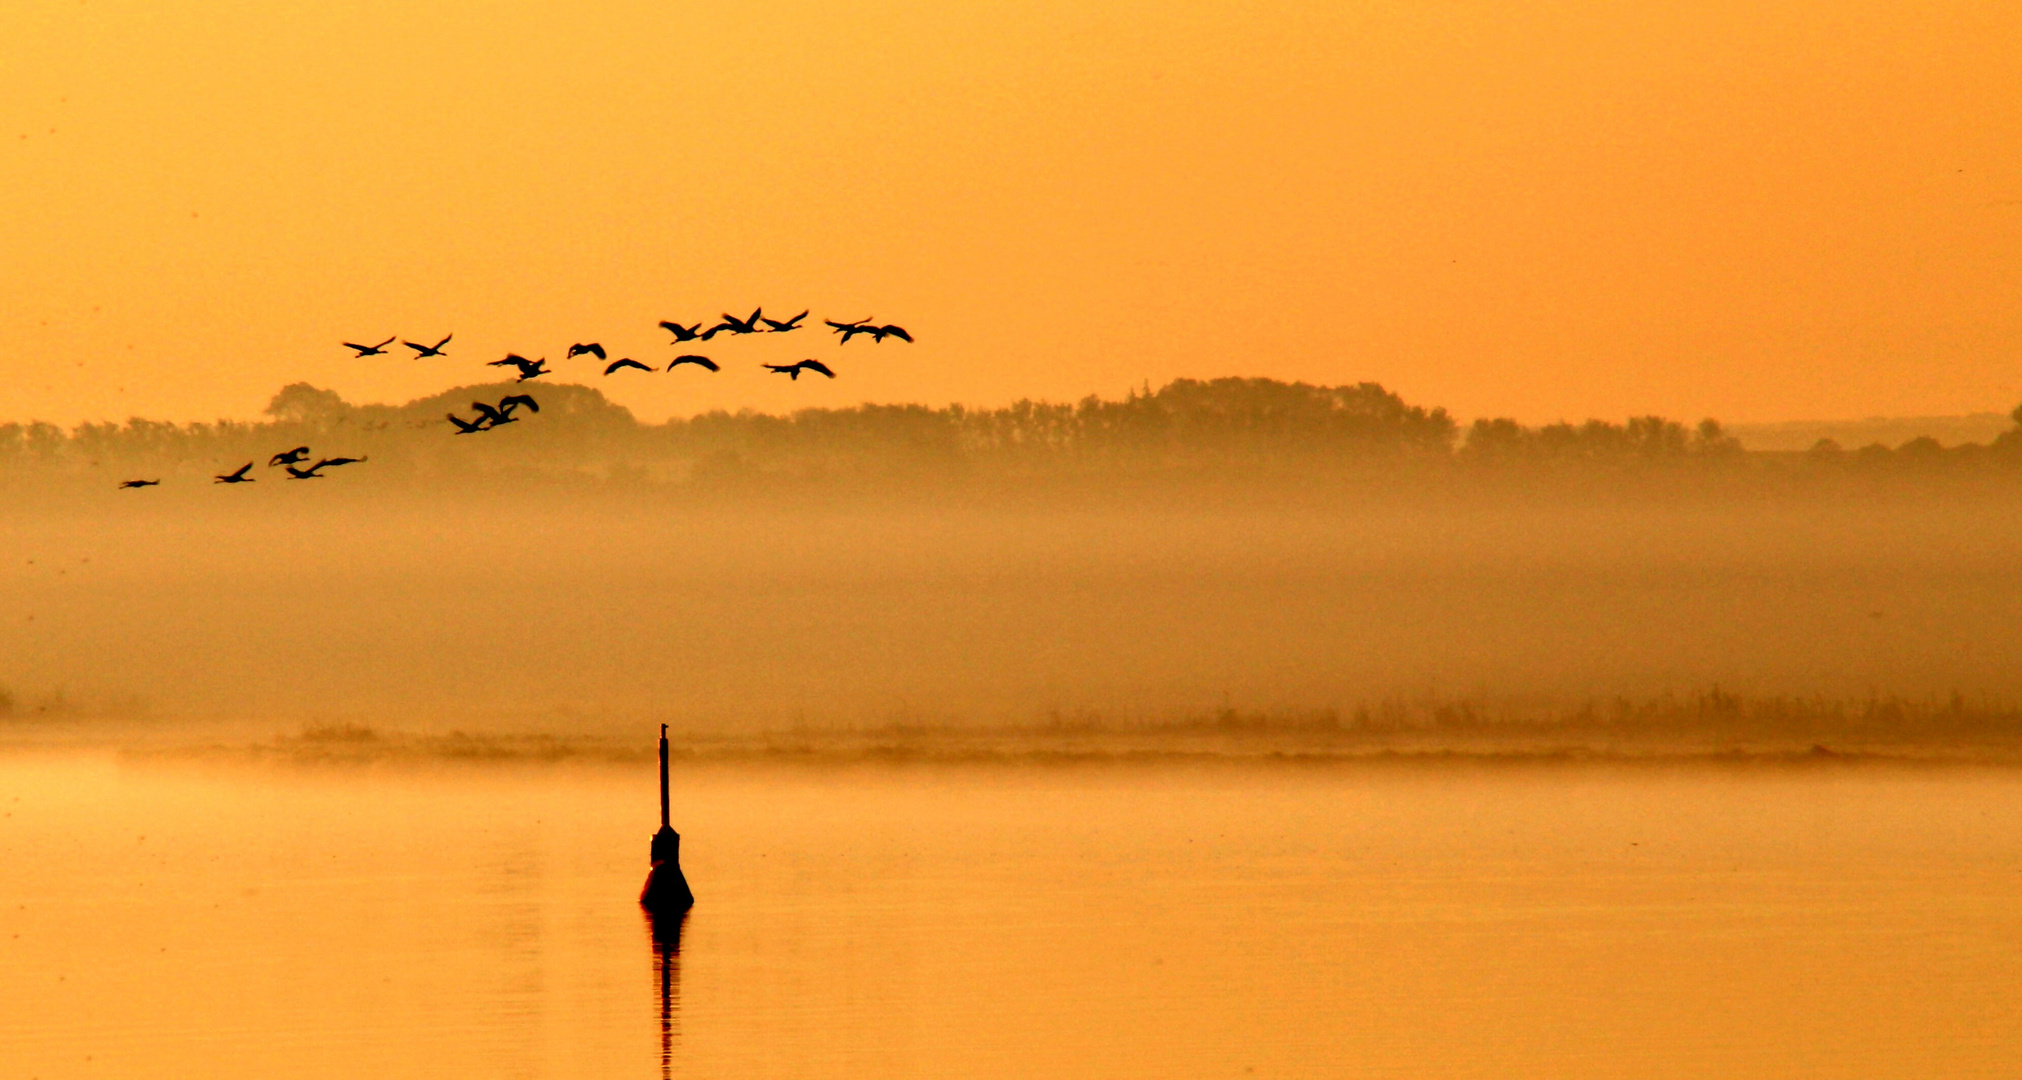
column 1232, row 425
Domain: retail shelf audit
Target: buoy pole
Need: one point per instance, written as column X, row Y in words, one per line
column 663, row 777
column 666, row 891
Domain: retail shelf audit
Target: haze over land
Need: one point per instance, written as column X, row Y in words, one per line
column 1237, row 553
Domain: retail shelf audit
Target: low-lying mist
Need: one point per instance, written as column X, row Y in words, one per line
column 1111, row 592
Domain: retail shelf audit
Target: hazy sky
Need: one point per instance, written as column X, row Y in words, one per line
column 1559, row 208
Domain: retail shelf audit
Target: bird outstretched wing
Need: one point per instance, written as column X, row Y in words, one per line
column 816, row 365
column 516, row 400
column 628, row 362
column 698, row 361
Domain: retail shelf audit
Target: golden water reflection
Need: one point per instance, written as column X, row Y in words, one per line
column 665, row 930
column 179, row 920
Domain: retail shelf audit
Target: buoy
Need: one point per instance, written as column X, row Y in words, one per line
column 666, row 891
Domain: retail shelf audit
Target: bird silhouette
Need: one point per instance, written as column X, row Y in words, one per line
column 370, row 350
column 423, row 351
column 778, row 327
column 864, row 326
column 698, row 361
column 290, row 457
column 237, row 476
column 849, row 330
column 529, row 369
column 625, row 363
column 681, row 333
column 309, row 473
column 593, row 348
column 792, row 371
column 502, row 413
column 333, row 462
column 139, row 483
column 465, row 427
column 734, row 325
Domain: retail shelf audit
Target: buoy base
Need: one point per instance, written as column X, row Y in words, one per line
column 666, row 891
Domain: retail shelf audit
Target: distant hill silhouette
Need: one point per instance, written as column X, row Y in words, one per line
column 1799, row 435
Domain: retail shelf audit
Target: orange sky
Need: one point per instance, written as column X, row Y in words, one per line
column 1556, row 209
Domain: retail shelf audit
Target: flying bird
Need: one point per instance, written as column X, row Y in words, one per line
column 502, row 413
column 681, row 333
column 423, row 351
column 625, row 363
column 138, row 483
column 698, row 361
column 465, row 427
column 333, row 462
column 734, row 325
column 529, row 369
column 880, row 333
column 237, row 476
column 849, row 330
column 792, row 371
column 291, row 457
column 778, row 327
column 593, row 348
column 370, row 350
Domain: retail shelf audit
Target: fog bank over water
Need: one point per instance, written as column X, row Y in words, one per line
column 848, row 570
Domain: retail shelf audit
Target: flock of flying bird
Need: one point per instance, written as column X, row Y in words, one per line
column 289, row 459
column 490, row 417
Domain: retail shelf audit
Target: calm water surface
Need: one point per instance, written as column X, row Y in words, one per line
column 187, row 920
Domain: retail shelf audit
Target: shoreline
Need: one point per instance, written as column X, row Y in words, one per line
column 370, row 748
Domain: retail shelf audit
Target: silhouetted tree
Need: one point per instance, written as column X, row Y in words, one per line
column 301, row 403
